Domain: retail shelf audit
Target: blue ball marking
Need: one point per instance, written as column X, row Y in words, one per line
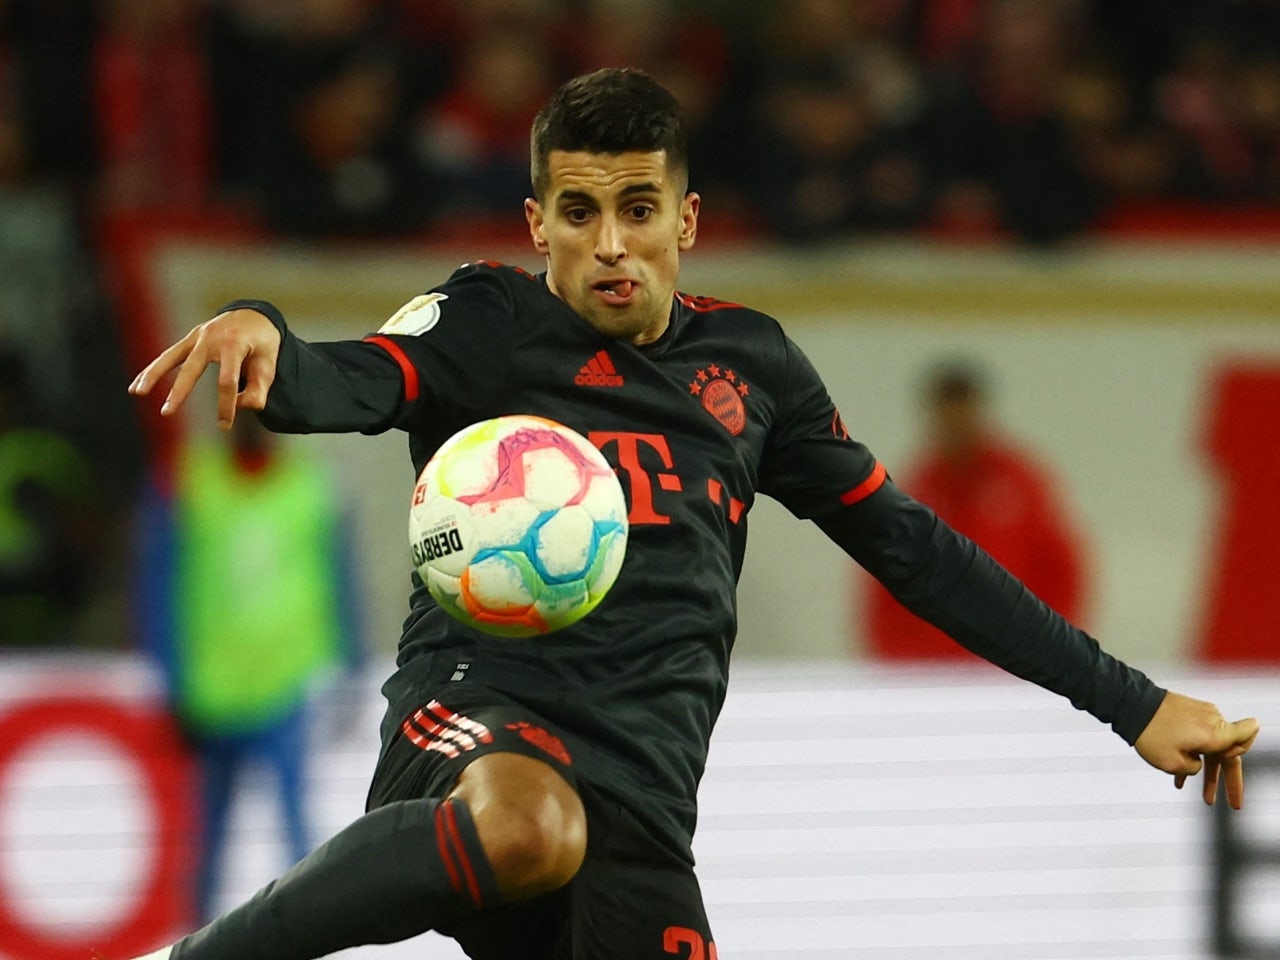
column 528, row 546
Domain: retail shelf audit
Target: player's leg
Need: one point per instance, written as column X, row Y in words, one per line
column 529, row 819
column 634, row 898
column 411, row 866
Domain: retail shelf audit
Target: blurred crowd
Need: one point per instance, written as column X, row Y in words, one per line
column 809, row 117
column 1030, row 120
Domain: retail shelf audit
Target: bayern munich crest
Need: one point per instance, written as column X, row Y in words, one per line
column 723, row 394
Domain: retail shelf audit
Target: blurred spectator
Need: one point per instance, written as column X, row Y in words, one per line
column 13, row 138
column 992, row 490
column 44, row 270
column 154, row 111
column 474, row 138
column 1226, row 109
column 40, row 256
column 686, row 50
column 340, row 118
column 61, row 347
column 837, row 145
column 947, row 32
column 45, row 88
column 1119, row 145
column 271, row 61
column 244, row 599
column 1004, row 151
column 341, row 163
column 46, row 525
column 1257, row 86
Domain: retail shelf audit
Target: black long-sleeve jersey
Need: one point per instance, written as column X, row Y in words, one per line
column 721, row 408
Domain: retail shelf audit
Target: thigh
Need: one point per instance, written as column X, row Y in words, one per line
column 634, row 898
column 437, row 741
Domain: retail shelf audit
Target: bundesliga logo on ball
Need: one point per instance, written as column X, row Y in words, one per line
column 518, row 526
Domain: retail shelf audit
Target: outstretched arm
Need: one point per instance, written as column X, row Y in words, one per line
column 946, row 579
column 296, row 387
column 243, row 343
column 1186, row 736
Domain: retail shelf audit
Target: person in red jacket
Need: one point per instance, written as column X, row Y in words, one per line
column 992, row 490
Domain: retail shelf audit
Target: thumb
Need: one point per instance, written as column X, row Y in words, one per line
column 1234, row 738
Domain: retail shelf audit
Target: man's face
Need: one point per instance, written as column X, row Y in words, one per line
column 612, row 227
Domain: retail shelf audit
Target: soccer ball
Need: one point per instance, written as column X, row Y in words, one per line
column 518, row 526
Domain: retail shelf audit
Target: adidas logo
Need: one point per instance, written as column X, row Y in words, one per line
column 599, row 371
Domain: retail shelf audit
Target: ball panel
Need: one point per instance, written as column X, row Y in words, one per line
column 607, row 563
column 564, row 544
column 462, row 466
column 502, row 523
column 554, row 474
column 500, row 582
column 560, row 604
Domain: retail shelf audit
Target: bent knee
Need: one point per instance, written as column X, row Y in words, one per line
column 535, row 851
column 531, row 823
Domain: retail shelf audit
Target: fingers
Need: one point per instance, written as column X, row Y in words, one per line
column 1186, row 737
column 259, row 374
column 241, row 343
column 193, row 366
column 189, row 356
column 1233, row 770
column 1224, row 764
column 1209, row 788
column 1242, row 734
column 172, row 358
column 229, row 363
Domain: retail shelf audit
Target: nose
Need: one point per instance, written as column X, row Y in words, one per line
column 610, row 244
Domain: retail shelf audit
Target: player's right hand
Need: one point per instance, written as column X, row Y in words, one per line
column 243, row 343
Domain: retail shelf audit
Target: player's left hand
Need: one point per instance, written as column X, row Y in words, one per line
column 1186, row 736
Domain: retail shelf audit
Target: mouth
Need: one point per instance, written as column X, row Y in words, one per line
column 616, row 292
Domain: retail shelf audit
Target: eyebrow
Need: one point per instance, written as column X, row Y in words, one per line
column 581, row 196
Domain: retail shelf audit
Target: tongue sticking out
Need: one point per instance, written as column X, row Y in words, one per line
column 621, row 288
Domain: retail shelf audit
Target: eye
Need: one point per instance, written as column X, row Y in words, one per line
column 641, row 212
column 577, row 214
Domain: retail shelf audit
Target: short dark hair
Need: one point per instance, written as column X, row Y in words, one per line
column 614, row 110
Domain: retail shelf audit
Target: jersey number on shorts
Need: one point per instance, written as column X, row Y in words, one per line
column 687, row 944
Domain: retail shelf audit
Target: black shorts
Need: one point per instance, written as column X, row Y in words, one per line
column 633, row 898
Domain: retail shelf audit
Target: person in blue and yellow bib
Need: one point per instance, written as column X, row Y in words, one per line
column 248, row 612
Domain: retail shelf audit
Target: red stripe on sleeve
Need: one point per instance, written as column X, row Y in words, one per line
column 407, row 368
column 867, row 487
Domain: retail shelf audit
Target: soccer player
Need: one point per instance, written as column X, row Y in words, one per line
column 537, row 800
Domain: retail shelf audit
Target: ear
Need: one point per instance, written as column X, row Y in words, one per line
column 537, row 232
column 689, row 220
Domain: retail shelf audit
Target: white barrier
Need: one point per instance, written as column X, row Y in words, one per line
column 848, row 812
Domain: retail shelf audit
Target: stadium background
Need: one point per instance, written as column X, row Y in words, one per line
column 964, row 815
